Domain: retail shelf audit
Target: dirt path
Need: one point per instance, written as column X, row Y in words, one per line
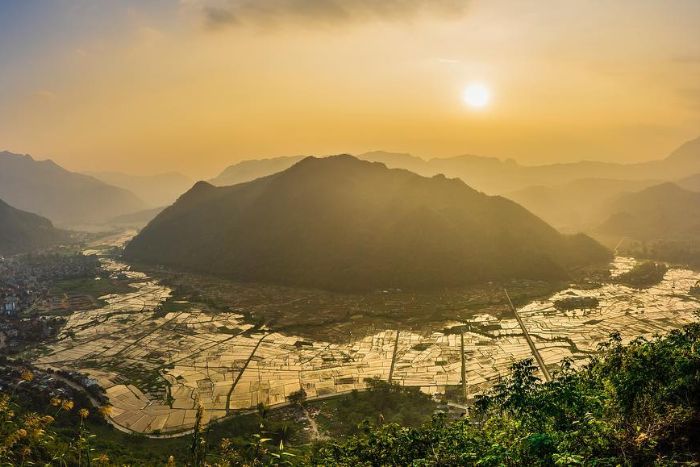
column 316, row 435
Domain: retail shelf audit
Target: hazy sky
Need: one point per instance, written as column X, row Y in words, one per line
column 194, row 85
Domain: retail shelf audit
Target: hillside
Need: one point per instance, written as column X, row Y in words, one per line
column 155, row 190
column 23, row 232
column 248, row 170
column 344, row 224
column 578, row 205
column 499, row 176
column 691, row 182
column 664, row 211
column 67, row 198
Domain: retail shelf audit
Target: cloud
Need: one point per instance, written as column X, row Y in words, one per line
column 222, row 13
column 215, row 17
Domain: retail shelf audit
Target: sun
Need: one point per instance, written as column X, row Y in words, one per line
column 477, row 95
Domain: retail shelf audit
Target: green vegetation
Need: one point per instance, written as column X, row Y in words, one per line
column 240, row 439
column 576, row 303
column 171, row 305
column 634, row 405
column 332, row 316
column 676, row 251
column 695, row 289
column 644, row 275
column 631, row 405
column 90, row 286
column 381, row 403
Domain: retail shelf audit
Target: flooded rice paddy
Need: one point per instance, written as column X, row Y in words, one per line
column 156, row 366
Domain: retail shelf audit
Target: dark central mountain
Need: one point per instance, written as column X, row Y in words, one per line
column 340, row 223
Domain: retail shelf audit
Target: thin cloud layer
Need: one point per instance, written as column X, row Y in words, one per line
column 234, row 12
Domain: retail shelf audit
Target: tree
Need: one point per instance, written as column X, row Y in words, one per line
column 297, row 398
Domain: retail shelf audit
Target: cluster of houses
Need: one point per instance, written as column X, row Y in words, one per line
column 16, row 333
column 25, row 282
column 13, row 300
column 9, row 304
column 25, row 279
column 39, row 269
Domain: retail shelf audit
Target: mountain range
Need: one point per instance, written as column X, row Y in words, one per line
column 496, row 176
column 577, row 206
column 66, row 198
column 572, row 197
column 691, row 182
column 248, row 170
column 341, row 223
column 665, row 211
column 22, row 232
column 155, row 190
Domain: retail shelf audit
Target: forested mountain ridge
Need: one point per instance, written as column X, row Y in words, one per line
column 345, row 224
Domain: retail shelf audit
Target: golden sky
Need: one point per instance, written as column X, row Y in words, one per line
column 196, row 85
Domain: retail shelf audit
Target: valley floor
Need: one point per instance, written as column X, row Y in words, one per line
column 157, row 358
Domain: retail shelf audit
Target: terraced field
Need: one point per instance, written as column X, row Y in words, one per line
column 157, row 366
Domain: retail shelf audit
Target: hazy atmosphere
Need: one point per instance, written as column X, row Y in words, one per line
column 350, row 233
column 195, row 85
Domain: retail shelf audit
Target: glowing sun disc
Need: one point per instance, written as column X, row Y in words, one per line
column 477, row 95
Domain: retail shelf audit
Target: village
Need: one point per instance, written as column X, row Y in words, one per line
column 27, row 313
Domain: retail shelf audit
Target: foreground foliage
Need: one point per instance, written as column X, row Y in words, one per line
column 635, row 404
column 381, row 403
column 632, row 405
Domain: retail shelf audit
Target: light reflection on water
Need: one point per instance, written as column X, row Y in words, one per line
column 239, row 368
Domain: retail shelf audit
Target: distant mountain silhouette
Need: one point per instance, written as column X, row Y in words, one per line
column 248, row 170
column 691, row 182
column 578, row 205
column 136, row 219
column 395, row 160
column 155, row 190
column 344, row 224
column 67, row 198
column 23, row 232
column 496, row 176
column 664, row 211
